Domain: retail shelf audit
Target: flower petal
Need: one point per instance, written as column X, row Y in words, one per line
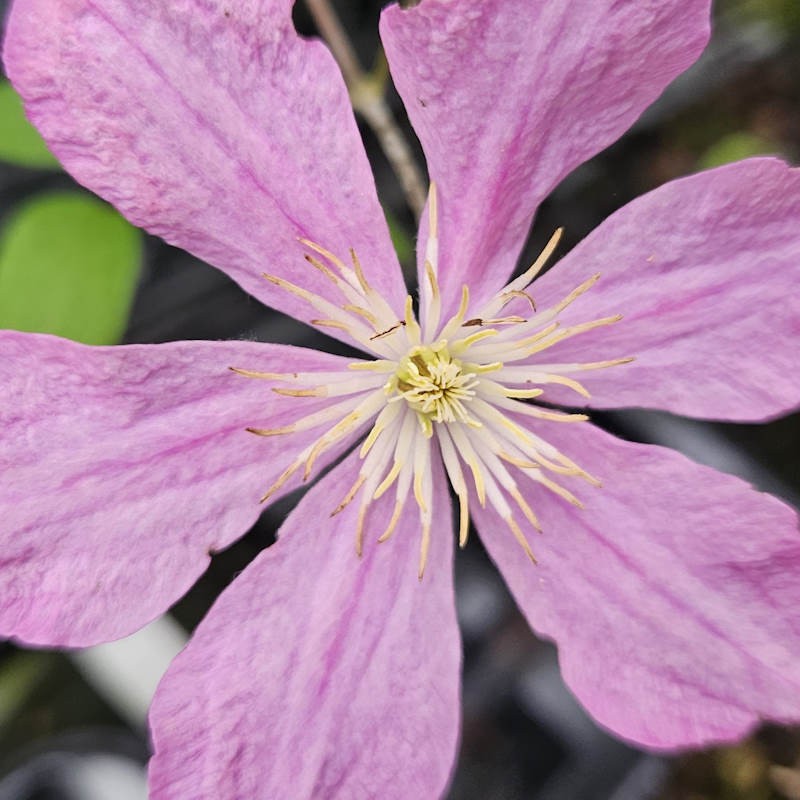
column 508, row 96
column 317, row 674
column 705, row 272
column 211, row 124
column 673, row 596
column 123, row 469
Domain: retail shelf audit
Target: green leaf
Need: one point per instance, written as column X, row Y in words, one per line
column 403, row 243
column 20, row 142
column 735, row 147
column 69, row 265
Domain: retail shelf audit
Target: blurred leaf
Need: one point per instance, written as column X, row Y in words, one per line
column 735, row 147
column 20, row 676
column 784, row 15
column 68, row 265
column 403, row 243
column 20, row 142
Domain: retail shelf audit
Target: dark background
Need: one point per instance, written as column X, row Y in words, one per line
column 523, row 734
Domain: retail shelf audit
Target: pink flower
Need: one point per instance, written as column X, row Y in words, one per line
column 672, row 592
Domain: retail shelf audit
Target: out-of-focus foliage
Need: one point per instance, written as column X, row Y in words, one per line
column 69, row 266
column 19, row 141
column 763, row 767
column 785, row 14
column 403, row 243
column 735, row 147
column 68, row 263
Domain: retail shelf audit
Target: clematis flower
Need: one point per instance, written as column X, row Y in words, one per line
column 330, row 667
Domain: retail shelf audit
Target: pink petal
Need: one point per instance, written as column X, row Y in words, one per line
column 123, row 468
column 673, row 596
column 705, row 271
column 211, row 124
column 317, row 674
column 508, row 96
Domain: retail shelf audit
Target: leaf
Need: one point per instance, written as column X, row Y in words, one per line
column 69, row 265
column 735, row 147
column 403, row 243
column 20, row 142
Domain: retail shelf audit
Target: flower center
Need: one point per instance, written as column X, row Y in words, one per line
column 434, row 384
column 467, row 380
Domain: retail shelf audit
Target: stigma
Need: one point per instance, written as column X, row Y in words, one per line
column 459, row 390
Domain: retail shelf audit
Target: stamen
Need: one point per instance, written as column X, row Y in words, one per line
column 334, row 315
column 331, row 323
column 434, row 304
column 412, row 327
column 477, row 321
column 471, row 460
column 318, row 391
column 456, row 477
column 330, row 438
column 390, row 478
column 575, row 330
column 355, row 289
column 557, row 489
column 424, row 497
column 312, row 378
column 519, row 284
column 536, row 411
column 379, row 365
column 365, row 287
column 458, row 319
column 591, row 365
column 460, row 346
column 362, row 514
column 421, row 460
column 536, row 375
column 518, row 440
column 523, row 394
column 387, row 416
column 400, row 324
column 344, row 270
column 425, row 547
column 576, row 293
column 520, row 537
column 511, row 351
column 402, row 449
column 271, row 431
column 509, row 295
column 362, row 312
column 369, row 406
column 249, row 373
column 426, row 384
column 403, row 485
column 526, row 509
column 334, row 411
column 317, row 264
column 348, row 498
column 284, row 476
column 430, row 300
column 374, row 465
column 394, row 519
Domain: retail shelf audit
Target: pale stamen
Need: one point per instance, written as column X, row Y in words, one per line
column 465, row 384
column 430, row 298
column 521, row 283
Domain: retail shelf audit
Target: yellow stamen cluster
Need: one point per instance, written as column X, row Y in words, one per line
column 468, row 382
column 435, row 385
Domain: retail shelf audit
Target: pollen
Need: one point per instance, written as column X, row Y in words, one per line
column 471, row 382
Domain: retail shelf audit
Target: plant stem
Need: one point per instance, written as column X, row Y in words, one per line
column 367, row 97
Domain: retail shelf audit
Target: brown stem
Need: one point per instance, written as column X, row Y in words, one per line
column 366, row 95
